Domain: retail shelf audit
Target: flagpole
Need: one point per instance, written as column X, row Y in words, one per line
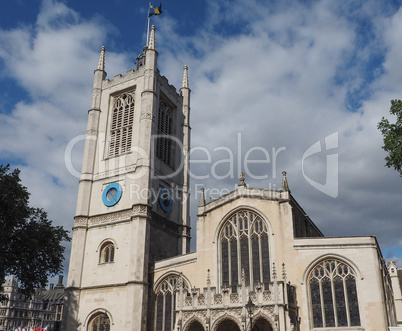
column 149, row 18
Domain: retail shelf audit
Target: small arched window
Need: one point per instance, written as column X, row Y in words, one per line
column 107, row 253
column 100, row 323
column 244, row 246
column 333, row 295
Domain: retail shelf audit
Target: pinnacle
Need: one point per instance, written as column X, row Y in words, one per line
column 101, row 63
column 185, row 77
column 151, row 44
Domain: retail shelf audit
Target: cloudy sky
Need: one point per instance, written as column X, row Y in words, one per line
column 296, row 85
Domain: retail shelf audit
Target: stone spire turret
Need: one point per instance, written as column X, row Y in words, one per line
column 92, row 135
column 151, row 62
column 151, row 44
column 101, row 63
column 202, row 198
column 86, row 184
column 185, row 77
column 285, row 185
column 185, row 94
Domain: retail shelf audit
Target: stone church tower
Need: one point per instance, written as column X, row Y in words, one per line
column 132, row 206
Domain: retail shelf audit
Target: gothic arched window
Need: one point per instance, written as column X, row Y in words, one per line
column 107, row 253
column 165, row 302
column 121, row 129
column 333, row 295
column 244, row 246
column 100, row 323
column 164, row 140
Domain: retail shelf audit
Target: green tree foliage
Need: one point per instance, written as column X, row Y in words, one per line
column 30, row 247
column 392, row 133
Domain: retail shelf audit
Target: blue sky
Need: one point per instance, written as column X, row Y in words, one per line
column 265, row 76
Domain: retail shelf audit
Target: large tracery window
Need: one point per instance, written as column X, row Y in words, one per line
column 164, row 141
column 333, row 295
column 121, row 130
column 165, row 302
column 244, row 246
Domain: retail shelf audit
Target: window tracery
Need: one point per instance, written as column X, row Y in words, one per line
column 100, row 323
column 244, row 245
column 121, row 130
column 165, row 302
column 333, row 295
column 107, row 253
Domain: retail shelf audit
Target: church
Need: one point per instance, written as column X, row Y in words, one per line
column 260, row 262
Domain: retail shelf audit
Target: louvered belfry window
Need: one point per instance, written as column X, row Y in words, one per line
column 244, row 246
column 121, row 130
column 164, row 140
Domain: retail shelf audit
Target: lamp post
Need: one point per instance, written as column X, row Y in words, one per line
column 250, row 306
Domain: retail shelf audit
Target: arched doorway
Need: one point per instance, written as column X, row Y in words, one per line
column 261, row 324
column 195, row 326
column 228, row 325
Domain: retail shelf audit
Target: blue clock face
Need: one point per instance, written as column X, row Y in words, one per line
column 112, row 194
column 165, row 200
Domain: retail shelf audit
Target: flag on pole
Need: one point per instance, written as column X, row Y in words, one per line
column 155, row 10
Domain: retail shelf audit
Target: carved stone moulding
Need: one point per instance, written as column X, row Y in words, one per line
column 222, row 315
column 188, row 302
column 92, row 132
column 111, row 218
column 80, row 221
column 267, row 296
column 234, row 298
column 267, row 311
column 140, row 210
column 120, row 216
column 147, row 116
column 199, row 315
column 201, row 300
column 218, row 299
column 116, row 172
